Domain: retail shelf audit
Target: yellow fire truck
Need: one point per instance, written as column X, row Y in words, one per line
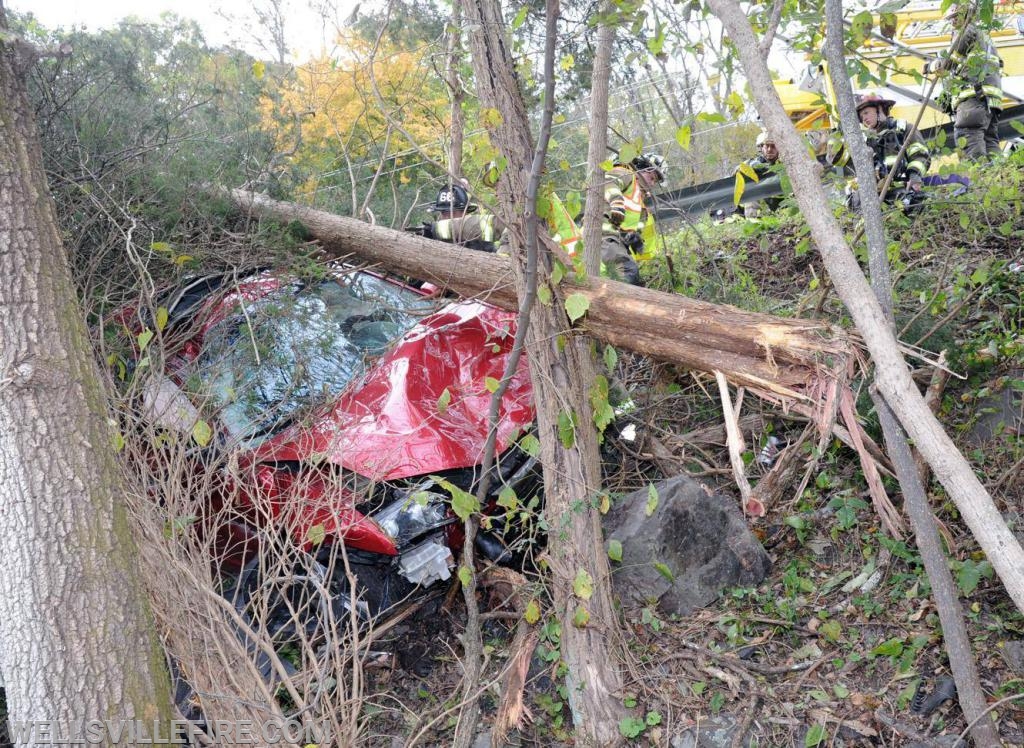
column 917, row 36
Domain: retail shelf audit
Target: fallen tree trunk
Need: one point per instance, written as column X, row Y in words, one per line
column 782, row 356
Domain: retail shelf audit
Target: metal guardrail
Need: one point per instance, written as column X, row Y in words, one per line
column 710, row 196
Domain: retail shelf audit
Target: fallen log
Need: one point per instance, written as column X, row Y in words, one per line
column 781, row 356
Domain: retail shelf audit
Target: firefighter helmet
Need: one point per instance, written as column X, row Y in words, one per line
column 875, row 100
column 452, row 198
column 653, row 162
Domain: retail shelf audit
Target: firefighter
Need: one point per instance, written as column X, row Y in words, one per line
column 626, row 191
column 885, row 135
column 972, row 90
column 764, row 165
column 459, row 221
column 767, row 155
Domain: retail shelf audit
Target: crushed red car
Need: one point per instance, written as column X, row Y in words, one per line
column 350, row 404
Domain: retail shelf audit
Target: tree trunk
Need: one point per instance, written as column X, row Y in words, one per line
column 454, row 81
column 892, row 375
column 954, row 630
column 593, row 207
column 778, row 355
column 76, row 636
column 562, row 375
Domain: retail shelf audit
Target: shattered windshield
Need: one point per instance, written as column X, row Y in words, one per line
column 298, row 348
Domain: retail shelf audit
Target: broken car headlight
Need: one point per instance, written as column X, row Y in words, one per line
column 409, row 517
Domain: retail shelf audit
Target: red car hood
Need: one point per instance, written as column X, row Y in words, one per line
column 397, row 421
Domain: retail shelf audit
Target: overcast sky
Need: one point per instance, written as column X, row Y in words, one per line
column 305, row 29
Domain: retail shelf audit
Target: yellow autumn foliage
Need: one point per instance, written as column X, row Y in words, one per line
column 329, row 116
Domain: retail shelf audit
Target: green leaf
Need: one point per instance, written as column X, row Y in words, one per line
column 737, row 191
column 544, row 295
column 530, row 445
column 532, row 614
column 507, row 498
column 861, row 26
column 444, row 401
column 652, row 500
column 815, row 736
column 161, row 318
column 143, row 339
column 465, row 576
column 611, row 358
column 735, row 103
column 971, row 573
column 748, row 171
column 653, row 718
column 683, row 136
column 711, row 118
column 656, row 44
column 161, row 247
column 463, row 503
column 566, row 429
column 664, row 571
column 567, row 63
column 576, row 305
column 631, row 727
column 890, row 648
column 607, row 165
column 831, row 631
column 581, row 617
column 316, row 534
column 583, row 585
column 259, row 69
column 492, row 384
column 520, row 18
column 615, row 550
column 965, row 221
column 557, row 272
column 118, row 441
column 202, row 433
column 627, row 153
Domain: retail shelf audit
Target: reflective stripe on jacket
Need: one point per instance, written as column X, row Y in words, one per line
column 563, row 229
column 475, row 226
column 625, row 198
column 976, row 70
column 886, row 141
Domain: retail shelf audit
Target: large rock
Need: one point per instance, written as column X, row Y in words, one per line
column 701, row 539
column 1000, row 413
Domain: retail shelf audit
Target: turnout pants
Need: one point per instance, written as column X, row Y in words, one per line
column 618, row 262
column 976, row 128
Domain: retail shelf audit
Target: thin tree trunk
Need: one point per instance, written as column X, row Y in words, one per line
column 954, row 630
column 454, row 81
column 892, row 376
column 562, row 375
column 593, row 211
column 76, row 637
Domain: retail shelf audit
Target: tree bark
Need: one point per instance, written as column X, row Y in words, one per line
column 954, row 630
column 562, row 375
column 76, row 637
column 597, row 147
column 892, row 375
column 453, row 61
